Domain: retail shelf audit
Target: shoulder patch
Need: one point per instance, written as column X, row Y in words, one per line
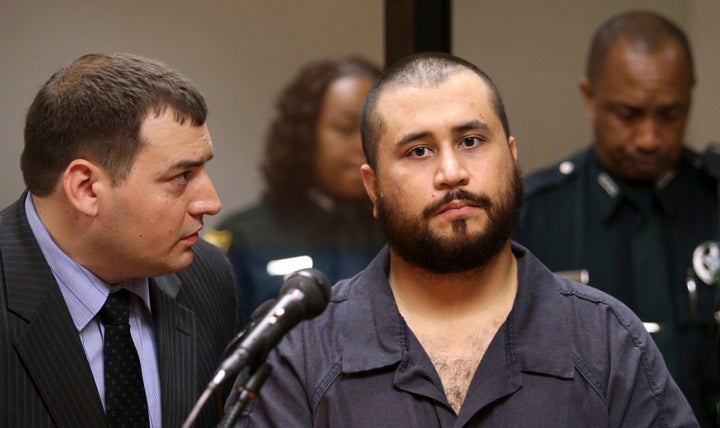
column 558, row 174
column 549, row 177
column 219, row 238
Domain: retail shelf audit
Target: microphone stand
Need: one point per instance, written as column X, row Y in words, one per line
column 220, row 377
column 246, row 392
column 304, row 295
column 209, row 390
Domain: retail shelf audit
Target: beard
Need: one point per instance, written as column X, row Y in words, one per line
column 411, row 238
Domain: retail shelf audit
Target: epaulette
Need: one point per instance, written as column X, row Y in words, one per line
column 693, row 158
column 550, row 177
column 706, row 164
column 219, row 238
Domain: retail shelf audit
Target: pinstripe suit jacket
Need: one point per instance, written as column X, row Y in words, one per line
column 45, row 379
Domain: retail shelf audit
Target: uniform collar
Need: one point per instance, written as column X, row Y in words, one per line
column 610, row 193
column 375, row 334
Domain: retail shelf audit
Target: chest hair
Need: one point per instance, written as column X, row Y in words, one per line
column 456, row 356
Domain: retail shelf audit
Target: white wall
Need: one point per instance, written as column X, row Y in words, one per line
column 241, row 52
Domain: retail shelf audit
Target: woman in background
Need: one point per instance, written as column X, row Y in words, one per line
column 313, row 211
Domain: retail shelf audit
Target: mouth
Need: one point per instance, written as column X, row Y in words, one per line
column 193, row 237
column 649, row 163
column 457, row 203
column 457, row 207
column 648, row 157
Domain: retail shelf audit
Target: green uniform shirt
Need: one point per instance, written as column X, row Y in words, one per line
column 578, row 216
column 339, row 241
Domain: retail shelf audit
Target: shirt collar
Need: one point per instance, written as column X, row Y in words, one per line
column 539, row 312
column 375, row 334
column 83, row 291
column 609, row 192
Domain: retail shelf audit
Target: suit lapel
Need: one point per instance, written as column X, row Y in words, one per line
column 52, row 352
column 175, row 336
column 49, row 346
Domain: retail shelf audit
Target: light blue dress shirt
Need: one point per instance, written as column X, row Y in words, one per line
column 85, row 294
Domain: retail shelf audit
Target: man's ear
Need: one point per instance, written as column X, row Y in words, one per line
column 370, row 183
column 82, row 181
column 513, row 147
column 588, row 94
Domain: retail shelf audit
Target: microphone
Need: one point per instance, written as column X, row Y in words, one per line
column 257, row 314
column 304, row 295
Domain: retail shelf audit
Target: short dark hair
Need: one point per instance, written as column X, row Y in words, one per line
column 291, row 140
column 644, row 30
column 426, row 68
column 94, row 108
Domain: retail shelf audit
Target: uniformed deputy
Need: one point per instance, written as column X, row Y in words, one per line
column 314, row 211
column 631, row 209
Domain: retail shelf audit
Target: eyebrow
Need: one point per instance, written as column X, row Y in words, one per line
column 186, row 164
column 463, row 127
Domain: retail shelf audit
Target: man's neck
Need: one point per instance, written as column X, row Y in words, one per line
column 447, row 296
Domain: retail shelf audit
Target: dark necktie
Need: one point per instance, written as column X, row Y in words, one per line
column 125, row 402
column 653, row 294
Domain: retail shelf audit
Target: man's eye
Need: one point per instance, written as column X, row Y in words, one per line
column 419, row 152
column 627, row 114
column 181, row 178
column 469, row 142
column 345, row 129
column 672, row 114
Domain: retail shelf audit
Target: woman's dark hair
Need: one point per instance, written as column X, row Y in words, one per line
column 287, row 165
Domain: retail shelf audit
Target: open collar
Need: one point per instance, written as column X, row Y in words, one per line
column 375, row 334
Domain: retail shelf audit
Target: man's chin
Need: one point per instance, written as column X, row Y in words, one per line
column 181, row 261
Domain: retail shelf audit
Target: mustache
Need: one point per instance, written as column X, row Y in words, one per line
column 481, row 201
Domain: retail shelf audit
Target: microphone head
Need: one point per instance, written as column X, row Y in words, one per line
column 315, row 287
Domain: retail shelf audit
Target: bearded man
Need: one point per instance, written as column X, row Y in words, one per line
column 452, row 324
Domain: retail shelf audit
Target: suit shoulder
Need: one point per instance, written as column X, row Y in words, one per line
column 204, row 250
column 556, row 176
column 209, row 259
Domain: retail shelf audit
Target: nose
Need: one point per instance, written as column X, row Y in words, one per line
column 206, row 200
column 451, row 171
column 647, row 135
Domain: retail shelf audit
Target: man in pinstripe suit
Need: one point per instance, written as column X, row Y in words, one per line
column 114, row 163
